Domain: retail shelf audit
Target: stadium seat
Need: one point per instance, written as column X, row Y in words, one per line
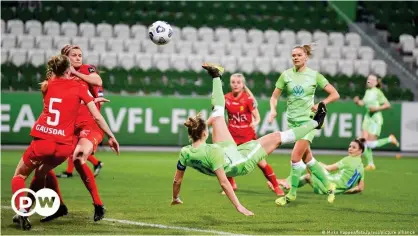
column 288, row 37
column 263, row 65
column 52, row 28
column 43, row 42
column 82, row 42
column 149, row 47
column 195, row 62
column 132, row 45
column 144, row 60
column 239, row 35
column 320, row 37
column 200, row 48
column 346, row 67
column 303, row 37
column 4, row 55
column 59, row 41
column 184, row 47
column 407, row 43
column 353, row 39
column 319, row 51
column 246, row 64
column 366, row 53
column 314, row 64
column 229, row 63
column 3, row 27
column 15, row 27
column 212, row 59
column 91, row 57
column 333, row 52
column 279, row 64
column 104, row 30
column 87, row 29
column 362, row 67
column 378, row 67
column 272, row 37
column 284, row 50
column 217, row 48
column 189, row 33
column 126, row 60
column 25, row 41
column 69, row 29
column 205, row 34
column 51, row 53
column 255, row 36
column 349, row 53
column 178, row 62
column 234, row 49
column 336, row 39
column 223, row 34
column 115, row 45
column 8, row 41
column 98, row 44
column 250, row 49
column 139, row 32
column 109, row 60
column 329, row 66
column 18, row 56
column 122, row 31
column 36, row 57
column 161, row 61
column 168, row 48
column 268, row 50
column 33, row 27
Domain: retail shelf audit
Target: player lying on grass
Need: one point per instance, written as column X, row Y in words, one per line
column 347, row 174
column 224, row 158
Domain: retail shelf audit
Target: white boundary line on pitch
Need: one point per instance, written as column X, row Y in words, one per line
column 128, row 222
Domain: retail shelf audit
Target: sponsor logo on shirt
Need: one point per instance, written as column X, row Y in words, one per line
column 298, row 91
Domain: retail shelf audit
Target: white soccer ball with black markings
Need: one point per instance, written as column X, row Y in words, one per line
column 160, row 32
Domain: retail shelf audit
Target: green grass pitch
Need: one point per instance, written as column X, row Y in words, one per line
column 136, row 186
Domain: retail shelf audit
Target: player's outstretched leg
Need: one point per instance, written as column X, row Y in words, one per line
column 383, row 141
column 52, row 183
column 98, row 165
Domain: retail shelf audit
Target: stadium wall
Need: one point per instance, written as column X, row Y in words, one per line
column 158, row 121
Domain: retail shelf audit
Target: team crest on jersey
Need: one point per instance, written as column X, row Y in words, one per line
column 91, row 70
column 298, row 91
column 241, row 108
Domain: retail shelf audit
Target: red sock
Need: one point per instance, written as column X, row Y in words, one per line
column 51, row 182
column 36, row 184
column 88, row 178
column 270, row 176
column 93, row 160
column 70, row 165
column 232, row 182
column 18, row 183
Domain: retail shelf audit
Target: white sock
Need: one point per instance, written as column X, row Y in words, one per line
column 311, row 162
column 288, row 136
column 298, row 165
column 218, row 111
column 371, row 144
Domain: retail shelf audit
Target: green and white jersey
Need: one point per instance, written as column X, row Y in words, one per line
column 300, row 87
column 374, row 97
column 350, row 172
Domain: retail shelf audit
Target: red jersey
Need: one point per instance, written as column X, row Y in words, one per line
column 61, row 103
column 240, row 116
column 84, row 116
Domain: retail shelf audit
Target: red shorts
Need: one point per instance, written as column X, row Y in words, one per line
column 243, row 139
column 42, row 151
column 91, row 132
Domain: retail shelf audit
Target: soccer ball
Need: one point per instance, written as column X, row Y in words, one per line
column 160, row 32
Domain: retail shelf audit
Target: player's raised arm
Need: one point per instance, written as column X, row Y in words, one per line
column 226, row 186
column 114, row 145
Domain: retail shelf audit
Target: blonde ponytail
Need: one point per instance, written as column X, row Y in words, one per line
column 307, row 48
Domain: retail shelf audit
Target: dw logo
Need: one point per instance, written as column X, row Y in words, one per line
column 298, row 91
column 47, row 202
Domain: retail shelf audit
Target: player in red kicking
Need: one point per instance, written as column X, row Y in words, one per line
column 241, row 107
column 53, row 133
column 88, row 74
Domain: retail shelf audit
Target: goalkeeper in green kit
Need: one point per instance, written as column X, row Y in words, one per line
column 224, row 158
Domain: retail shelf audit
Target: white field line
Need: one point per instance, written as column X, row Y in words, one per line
column 159, row 226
